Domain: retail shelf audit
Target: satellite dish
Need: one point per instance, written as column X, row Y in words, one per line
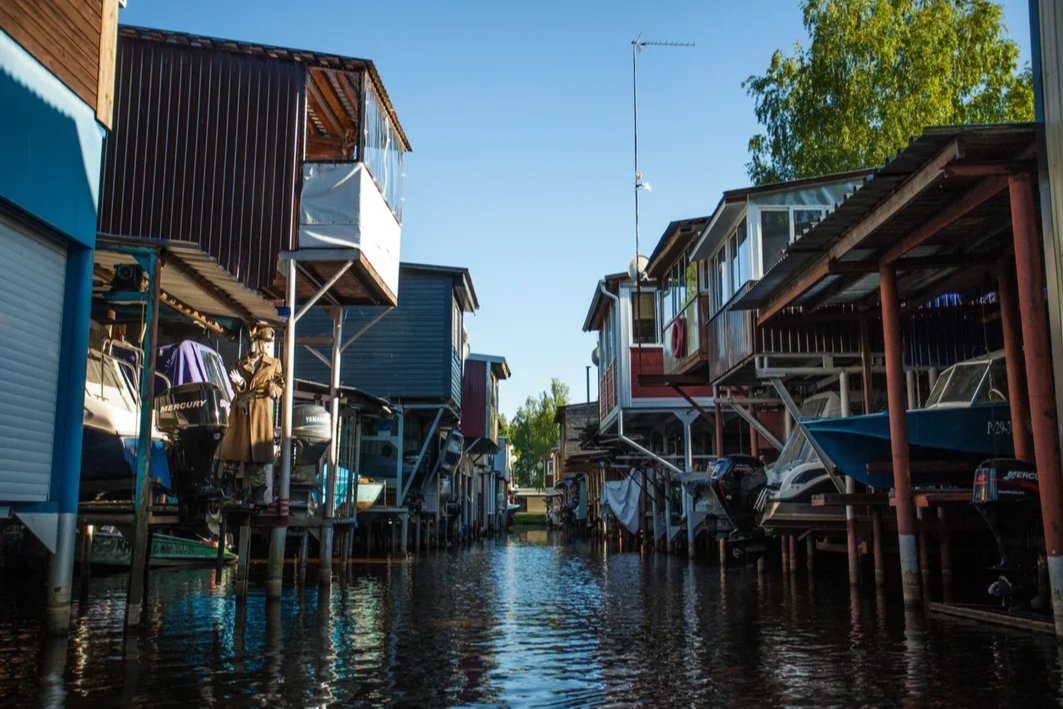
column 466, row 350
column 595, row 356
column 636, row 272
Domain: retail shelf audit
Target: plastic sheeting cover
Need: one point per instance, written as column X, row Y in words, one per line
column 622, row 499
column 341, row 208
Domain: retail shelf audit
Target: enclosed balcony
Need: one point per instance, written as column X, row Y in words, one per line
column 351, row 188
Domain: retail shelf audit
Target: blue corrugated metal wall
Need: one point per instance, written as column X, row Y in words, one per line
column 408, row 353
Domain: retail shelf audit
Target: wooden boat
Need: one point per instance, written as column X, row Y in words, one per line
column 967, row 419
column 110, row 548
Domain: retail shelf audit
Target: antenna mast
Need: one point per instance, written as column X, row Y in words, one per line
column 636, row 47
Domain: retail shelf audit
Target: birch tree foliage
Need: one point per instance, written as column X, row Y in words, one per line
column 874, row 74
column 534, row 433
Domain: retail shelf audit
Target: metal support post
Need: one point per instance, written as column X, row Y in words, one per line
column 946, row 557
column 895, row 390
column 279, row 535
column 912, row 388
column 688, row 463
column 220, row 561
column 417, row 535
column 668, row 539
column 1011, row 323
column 243, row 550
column 754, row 438
column 86, row 554
column 850, row 488
column 302, row 558
column 810, row 553
column 139, row 560
column 866, row 380
column 924, row 558
column 404, row 531
column 877, row 538
column 784, row 548
column 1038, row 357
column 723, row 552
column 788, row 424
column 324, row 572
column 793, row 554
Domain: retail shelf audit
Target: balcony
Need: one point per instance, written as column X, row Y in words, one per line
column 685, row 352
column 730, row 336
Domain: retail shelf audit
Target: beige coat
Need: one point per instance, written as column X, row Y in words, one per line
column 250, row 435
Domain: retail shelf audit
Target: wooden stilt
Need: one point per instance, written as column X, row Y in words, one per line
column 946, row 558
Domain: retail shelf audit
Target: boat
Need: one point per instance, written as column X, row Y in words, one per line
column 111, row 422
column 966, row 420
column 110, row 548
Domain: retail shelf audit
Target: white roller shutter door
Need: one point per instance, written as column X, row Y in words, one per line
column 32, row 283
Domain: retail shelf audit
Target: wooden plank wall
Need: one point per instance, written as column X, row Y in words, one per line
column 63, row 35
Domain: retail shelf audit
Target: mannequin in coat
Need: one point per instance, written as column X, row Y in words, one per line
column 258, row 381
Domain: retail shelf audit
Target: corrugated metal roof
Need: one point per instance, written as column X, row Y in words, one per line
column 980, row 144
column 287, row 54
column 192, row 277
column 676, row 237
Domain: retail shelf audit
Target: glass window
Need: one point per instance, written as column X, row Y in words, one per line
column 643, row 318
column 957, row 385
column 740, row 259
column 774, row 235
column 383, row 151
column 996, row 386
column 690, row 283
column 804, row 218
column 719, row 278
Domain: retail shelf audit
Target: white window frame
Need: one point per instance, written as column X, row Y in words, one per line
column 656, row 318
column 758, row 258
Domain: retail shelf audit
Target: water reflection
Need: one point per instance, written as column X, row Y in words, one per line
column 538, row 620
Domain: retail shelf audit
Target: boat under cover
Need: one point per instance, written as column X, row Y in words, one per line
column 967, row 419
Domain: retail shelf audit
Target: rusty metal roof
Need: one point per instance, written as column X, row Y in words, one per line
column 975, row 238
column 286, row 54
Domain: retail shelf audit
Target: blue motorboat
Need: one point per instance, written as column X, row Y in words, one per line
column 966, row 419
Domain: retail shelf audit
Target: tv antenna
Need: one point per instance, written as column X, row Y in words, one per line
column 636, row 48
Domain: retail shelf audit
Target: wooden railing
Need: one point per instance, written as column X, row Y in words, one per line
column 730, row 337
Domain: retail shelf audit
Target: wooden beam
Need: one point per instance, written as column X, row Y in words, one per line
column 326, row 91
column 321, row 108
column 950, row 260
column 315, row 282
column 970, row 200
column 916, row 184
column 106, row 69
column 191, row 313
column 711, row 418
column 951, row 284
column 988, row 169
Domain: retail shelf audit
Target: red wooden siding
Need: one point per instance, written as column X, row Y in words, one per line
column 474, row 397
column 652, row 362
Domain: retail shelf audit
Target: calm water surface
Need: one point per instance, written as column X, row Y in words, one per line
column 528, row 622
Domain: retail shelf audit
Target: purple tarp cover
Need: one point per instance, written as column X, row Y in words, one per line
column 184, row 362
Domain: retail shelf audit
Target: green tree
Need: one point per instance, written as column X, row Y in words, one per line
column 503, row 425
column 534, row 433
column 875, row 74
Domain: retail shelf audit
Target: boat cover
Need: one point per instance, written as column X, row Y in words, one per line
column 621, row 497
column 184, row 362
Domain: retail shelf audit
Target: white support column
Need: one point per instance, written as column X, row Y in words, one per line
column 688, row 464
column 850, row 488
column 324, row 573
column 279, row 535
column 913, row 390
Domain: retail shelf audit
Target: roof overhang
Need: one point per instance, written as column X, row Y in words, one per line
column 677, row 236
column 497, row 363
column 938, row 212
column 724, row 220
column 463, row 288
column 594, row 315
column 354, row 397
column 191, row 278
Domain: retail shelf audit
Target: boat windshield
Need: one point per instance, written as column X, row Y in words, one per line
column 104, row 382
column 996, row 384
column 958, row 385
column 797, row 449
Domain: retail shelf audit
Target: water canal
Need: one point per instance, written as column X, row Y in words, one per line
column 533, row 621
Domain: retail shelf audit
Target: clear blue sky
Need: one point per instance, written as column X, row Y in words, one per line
column 520, row 118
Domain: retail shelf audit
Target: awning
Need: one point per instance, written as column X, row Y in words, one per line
column 191, row 278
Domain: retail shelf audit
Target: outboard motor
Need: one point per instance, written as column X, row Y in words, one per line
column 194, row 417
column 737, row 481
column 1007, row 495
column 311, row 435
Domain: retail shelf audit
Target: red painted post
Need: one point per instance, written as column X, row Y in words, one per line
column 897, row 395
column 877, row 538
column 1038, row 356
column 1011, row 322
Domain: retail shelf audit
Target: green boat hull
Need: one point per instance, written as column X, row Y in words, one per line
column 112, row 549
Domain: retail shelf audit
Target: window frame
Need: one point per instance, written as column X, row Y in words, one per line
column 823, row 210
column 652, row 292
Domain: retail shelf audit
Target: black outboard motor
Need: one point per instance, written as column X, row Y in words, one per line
column 194, row 417
column 737, row 481
column 1007, row 495
column 311, row 435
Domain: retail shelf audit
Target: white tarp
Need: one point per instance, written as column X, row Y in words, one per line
column 340, row 207
column 621, row 497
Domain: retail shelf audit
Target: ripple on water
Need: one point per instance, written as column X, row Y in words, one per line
column 521, row 623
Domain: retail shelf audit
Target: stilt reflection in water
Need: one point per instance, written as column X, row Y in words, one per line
column 520, row 623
